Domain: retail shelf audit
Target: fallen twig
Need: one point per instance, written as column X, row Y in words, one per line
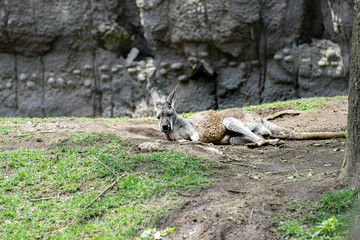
column 39, row 199
column 107, row 167
column 235, row 191
column 251, row 214
column 102, row 193
column 286, row 112
column 44, row 198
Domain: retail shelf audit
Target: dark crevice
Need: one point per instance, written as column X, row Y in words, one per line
column 4, row 8
column 16, row 83
column 96, row 90
column 313, row 22
column 262, row 53
column 296, row 83
column 136, row 31
column 97, row 96
column 207, row 17
column 42, row 86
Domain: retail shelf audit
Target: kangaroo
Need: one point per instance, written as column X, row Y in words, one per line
column 230, row 126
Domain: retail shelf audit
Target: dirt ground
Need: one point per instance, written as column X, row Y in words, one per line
column 252, row 182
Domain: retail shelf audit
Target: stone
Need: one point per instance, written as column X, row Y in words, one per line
column 286, row 51
column 162, row 71
column 233, row 64
column 203, row 54
column 243, row 65
column 322, row 63
column 131, row 56
column 331, row 54
column 70, row 83
column 176, row 66
column 164, row 64
column 141, row 77
column 289, row 59
column 104, row 68
column 278, row 57
column 60, row 81
column 87, row 67
column 22, row 77
column 255, row 62
column 88, row 83
column 76, row 72
column 132, row 71
column 114, row 69
column 51, row 81
column 104, row 77
column 142, row 64
column 30, row 84
column 183, row 78
column 223, row 63
column 120, row 66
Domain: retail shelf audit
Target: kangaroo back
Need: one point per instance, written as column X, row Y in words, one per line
column 209, row 126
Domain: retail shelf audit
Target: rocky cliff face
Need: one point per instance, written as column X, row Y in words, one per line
column 100, row 57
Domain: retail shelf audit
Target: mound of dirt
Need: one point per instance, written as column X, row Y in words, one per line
column 251, row 182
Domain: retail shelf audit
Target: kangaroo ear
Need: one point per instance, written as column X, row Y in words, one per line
column 155, row 95
column 172, row 96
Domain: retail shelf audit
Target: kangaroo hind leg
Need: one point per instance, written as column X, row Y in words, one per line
column 237, row 126
column 276, row 130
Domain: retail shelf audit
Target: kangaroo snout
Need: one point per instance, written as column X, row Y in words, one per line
column 165, row 127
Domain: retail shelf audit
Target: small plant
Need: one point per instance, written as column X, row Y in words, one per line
column 152, row 234
column 329, row 218
column 5, row 130
column 329, row 227
column 293, row 228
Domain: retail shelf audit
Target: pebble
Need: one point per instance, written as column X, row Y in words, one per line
column 23, row 77
column 288, row 59
column 278, row 57
column 30, row 84
column 177, row 66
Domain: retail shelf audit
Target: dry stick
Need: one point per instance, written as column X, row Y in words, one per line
column 39, row 199
column 296, row 172
column 102, row 193
column 107, row 167
column 44, row 198
column 251, row 214
column 280, row 114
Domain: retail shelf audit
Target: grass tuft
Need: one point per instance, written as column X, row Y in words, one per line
column 332, row 217
column 45, row 193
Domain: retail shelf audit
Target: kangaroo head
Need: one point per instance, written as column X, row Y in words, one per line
column 165, row 109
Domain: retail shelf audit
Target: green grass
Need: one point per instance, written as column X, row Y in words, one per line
column 44, row 194
column 5, row 129
column 299, row 104
column 333, row 217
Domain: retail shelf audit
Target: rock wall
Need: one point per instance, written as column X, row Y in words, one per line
column 100, row 57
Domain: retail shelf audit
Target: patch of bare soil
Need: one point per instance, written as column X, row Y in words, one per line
column 252, row 182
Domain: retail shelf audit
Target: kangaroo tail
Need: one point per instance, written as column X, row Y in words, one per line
column 313, row 135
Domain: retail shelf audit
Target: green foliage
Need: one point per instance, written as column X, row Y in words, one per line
column 293, row 228
column 329, row 218
column 5, row 129
column 299, row 104
column 45, row 193
column 329, row 227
